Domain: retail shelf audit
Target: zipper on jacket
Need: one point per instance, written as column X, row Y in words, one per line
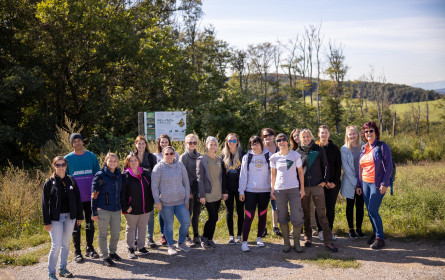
column 107, row 199
column 117, row 187
column 143, row 196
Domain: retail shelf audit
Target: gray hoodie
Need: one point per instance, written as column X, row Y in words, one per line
column 170, row 184
column 257, row 178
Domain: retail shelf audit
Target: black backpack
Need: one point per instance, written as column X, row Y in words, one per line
column 250, row 156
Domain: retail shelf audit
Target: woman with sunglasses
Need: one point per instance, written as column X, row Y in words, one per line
column 211, row 188
column 188, row 158
column 287, row 191
column 350, row 155
column 61, row 209
column 171, row 193
column 374, row 178
column 232, row 155
column 254, row 188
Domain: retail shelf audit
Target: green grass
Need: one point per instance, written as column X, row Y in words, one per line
column 434, row 112
column 327, row 261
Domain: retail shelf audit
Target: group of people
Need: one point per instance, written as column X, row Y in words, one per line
column 297, row 178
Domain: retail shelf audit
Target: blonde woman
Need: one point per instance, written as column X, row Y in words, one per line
column 232, row 155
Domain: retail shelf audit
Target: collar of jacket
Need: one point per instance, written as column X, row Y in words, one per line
column 116, row 172
column 128, row 170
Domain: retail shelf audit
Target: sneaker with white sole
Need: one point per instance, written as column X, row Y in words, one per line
column 172, row 251
column 238, row 239
column 232, row 240
column 245, row 247
column 320, row 235
column 183, row 247
column 259, row 242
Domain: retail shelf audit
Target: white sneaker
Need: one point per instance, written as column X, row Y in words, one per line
column 259, row 242
column 232, row 240
column 183, row 247
column 238, row 239
column 334, row 237
column 320, row 235
column 172, row 251
column 245, row 247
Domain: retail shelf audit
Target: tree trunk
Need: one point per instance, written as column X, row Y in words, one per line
column 394, row 124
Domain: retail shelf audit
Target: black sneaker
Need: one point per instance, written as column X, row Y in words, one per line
column 371, row 239
column 331, row 247
column 91, row 253
column 378, row 244
column 264, row 233
column 212, row 244
column 115, row 257
column 143, row 251
column 360, row 233
column 109, row 262
column 277, row 231
column 352, row 234
column 131, row 254
column 151, row 243
column 79, row 258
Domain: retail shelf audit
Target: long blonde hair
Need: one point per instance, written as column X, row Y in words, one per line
column 347, row 143
column 228, row 160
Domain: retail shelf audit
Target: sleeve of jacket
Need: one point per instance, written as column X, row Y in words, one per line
column 96, row 166
column 183, row 160
column 46, row 192
column 359, row 174
column 78, row 200
column 185, row 183
column 387, row 161
column 337, row 174
column 324, row 165
column 124, row 197
column 200, row 177
column 223, row 177
column 96, row 187
column 243, row 176
column 155, row 180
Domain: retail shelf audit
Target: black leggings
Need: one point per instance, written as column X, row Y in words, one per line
column 234, row 196
column 330, row 196
column 195, row 209
column 251, row 202
column 359, row 211
column 89, row 228
column 209, row 227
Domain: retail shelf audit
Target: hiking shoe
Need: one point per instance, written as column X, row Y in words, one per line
column 277, row 231
column 238, row 239
column 378, row 244
column 172, row 251
column 163, row 240
column 232, row 240
column 131, row 254
column 115, row 257
column 352, row 234
column 108, row 262
column 308, row 243
column 183, row 247
column 264, row 233
column 63, row 272
column 212, row 244
column 189, row 242
column 314, row 231
column 52, row 276
column 245, row 247
column 331, row 247
column 259, row 242
column 360, row 233
column 152, row 243
column 143, row 251
column 196, row 240
column 204, row 243
column 371, row 239
column 79, row 258
column 320, row 235
column 91, row 253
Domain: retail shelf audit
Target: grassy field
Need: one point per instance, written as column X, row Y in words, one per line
column 434, row 112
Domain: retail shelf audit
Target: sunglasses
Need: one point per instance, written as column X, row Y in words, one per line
column 192, row 143
column 281, row 140
column 169, row 154
column 58, row 165
column 232, row 141
column 369, row 131
column 267, row 135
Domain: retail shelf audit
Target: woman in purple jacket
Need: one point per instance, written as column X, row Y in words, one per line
column 374, row 175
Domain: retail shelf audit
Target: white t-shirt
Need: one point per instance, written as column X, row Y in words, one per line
column 286, row 167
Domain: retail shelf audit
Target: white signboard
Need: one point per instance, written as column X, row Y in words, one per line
column 173, row 124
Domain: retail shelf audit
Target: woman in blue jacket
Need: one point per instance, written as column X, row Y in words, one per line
column 106, row 206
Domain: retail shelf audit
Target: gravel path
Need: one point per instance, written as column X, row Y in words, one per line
column 400, row 260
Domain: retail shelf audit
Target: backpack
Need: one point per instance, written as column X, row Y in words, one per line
column 250, row 156
column 393, row 174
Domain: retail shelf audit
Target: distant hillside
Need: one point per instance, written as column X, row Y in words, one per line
column 430, row 85
column 441, row 90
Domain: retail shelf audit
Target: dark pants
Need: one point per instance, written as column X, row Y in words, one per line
column 234, row 196
column 251, row 202
column 209, row 227
column 195, row 210
column 89, row 229
column 330, row 196
column 359, row 211
column 317, row 195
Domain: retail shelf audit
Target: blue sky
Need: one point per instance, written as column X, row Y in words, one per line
column 405, row 40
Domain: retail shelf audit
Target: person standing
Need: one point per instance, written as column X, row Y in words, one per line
column 268, row 135
column 287, row 191
column 332, row 188
column 232, row 154
column 61, row 209
column 350, row 156
column 211, row 188
column 82, row 165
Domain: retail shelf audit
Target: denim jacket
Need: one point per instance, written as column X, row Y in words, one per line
column 350, row 172
column 108, row 185
column 383, row 166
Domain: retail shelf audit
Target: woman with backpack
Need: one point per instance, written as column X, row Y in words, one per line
column 254, row 188
column 375, row 171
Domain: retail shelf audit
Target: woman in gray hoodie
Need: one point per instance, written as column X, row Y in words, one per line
column 171, row 192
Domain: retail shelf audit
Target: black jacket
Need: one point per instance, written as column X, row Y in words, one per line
column 315, row 165
column 52, row 197
column 136, row 193
column 334, row 162
column 231, row 179
column 149, row 161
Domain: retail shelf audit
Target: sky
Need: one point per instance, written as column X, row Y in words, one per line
column 404, row 40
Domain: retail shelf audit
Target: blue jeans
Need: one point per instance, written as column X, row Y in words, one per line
column 60, row 233
column 373, row 198
column 182, row 214
column 151, row 225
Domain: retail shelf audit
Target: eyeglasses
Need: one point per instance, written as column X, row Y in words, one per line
column 169, row 154
column 267, row 135
column 232, row 141
column 281, row 140
column 58, row 165
column 369, row 131
column 192, row 143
